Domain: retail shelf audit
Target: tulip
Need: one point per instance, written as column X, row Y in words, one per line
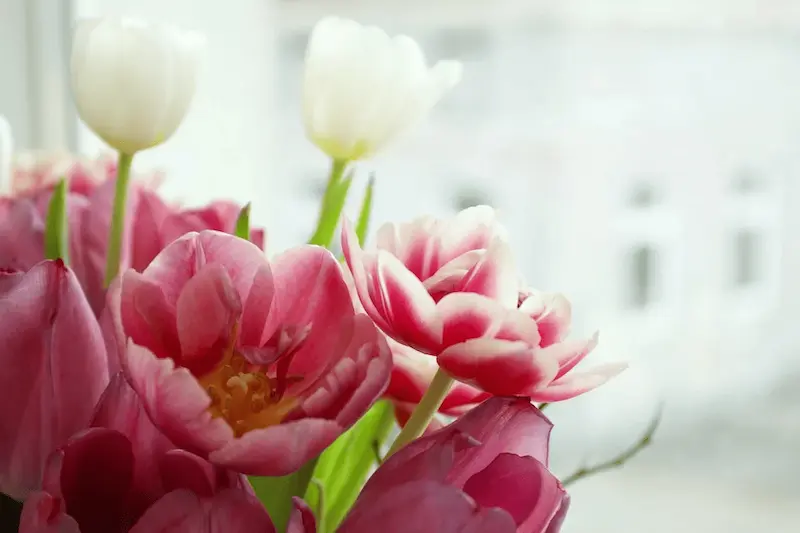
column 151, row 223
column 133, row 81
column 485, row 472
column 450, row 288
column 157, row 224
column 271, row 371
column 362, row 87
column 54, row 364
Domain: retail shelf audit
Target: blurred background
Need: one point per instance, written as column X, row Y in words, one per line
column 643, row 154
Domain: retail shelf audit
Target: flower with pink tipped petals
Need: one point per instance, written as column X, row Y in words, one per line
column 257, row 366
column 418, row 266
column 450, row 289
column 485, row 472
column 54, row 369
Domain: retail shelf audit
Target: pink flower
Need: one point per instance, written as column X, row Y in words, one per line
column 54, row 369
column 416, row 278
column 485, row 472
column 258, row 366
column 157, row 224
column 150, row 225
column 123, row 471
column 450, row 289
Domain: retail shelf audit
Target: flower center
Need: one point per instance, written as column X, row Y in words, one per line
column 244, row 396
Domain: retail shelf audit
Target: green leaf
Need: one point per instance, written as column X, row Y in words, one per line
column 366, row 210
column 243, row 223
column 56, row 238
column 343, row 468
column 276, row 493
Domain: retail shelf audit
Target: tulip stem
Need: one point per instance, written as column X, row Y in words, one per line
column 332, row 204
column 424, row 412
column 115, row 233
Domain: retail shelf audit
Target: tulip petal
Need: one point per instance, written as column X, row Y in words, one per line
column 469, row 316
column 302, row 519
column 577, row 383
column 473, row 228
column 552, row 312
column 494, row 275
column 570, row 353
column 415, row 244
column 277, row 450
column 522, row 486
column 148, row 318
column 230, row 511
column 501, row 425
column 175, row 401
column 54, row 369
column 147, row 237
column 207, row 311
column 437, row 508
column 502, row 368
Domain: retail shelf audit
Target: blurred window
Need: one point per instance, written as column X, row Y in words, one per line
column 745, row 258
column 641, row 273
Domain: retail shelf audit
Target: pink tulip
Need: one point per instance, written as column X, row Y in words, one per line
column 257, row 366
column 54, row 369
column 157, row 224
column 487, row 472
column 150, row 225
column 123, row 471
column 451, row 289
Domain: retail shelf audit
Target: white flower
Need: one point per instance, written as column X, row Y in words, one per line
column 362, row 87
column 133, row 81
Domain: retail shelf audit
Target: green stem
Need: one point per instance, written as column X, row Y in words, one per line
column 276, row 493
column 425, row 410
column 118, row 218
column 332, row 204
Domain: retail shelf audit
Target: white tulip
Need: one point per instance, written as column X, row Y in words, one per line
column 362, row 87
column 133, row 81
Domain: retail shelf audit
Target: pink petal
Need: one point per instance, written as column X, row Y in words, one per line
column 357, row 381
column 473, row 228
column 175, row 401
column 54, row 369
column 302, row 519
column 147, row 317
column 207, row 311
column 470, row 316
column 494, row 276
column 277, row 450
column 230, row 511
column 553, row 313
column 120, row 409
column 502, row 368
column 43, row 513
column 257, row 307
column 111, row 325
column 450, row 276
column 577, row 383
column 436, row 508
column 570, row 353
column 415, row 244
column 147, row 239
column 356, row 260
column 501, row 425
column 522, row 486
column 21, row 234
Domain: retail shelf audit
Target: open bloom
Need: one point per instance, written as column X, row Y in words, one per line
column 257, row 366
column 133, row 81
column 485, row 472
column 54, row 369
column 450, row 288
column 362, row 87
column 123, row 475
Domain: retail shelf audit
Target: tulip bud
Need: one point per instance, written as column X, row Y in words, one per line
column 362, row 87
column 133, row 81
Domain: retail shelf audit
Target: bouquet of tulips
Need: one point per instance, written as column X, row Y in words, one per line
column 162, row 373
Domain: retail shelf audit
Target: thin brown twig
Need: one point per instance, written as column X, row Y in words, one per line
column 620, row 459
